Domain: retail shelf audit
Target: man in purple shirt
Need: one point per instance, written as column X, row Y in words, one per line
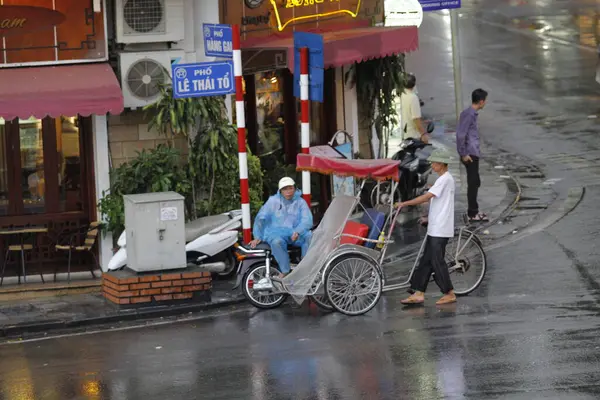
column 467, row 144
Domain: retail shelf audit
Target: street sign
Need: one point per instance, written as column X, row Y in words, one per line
column 316, row 61
column 434, row 5
column 202, row 79
column 217, row 40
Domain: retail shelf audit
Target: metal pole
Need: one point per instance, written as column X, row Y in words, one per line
column 241, row 124
column 305, row 127
column 456, row 62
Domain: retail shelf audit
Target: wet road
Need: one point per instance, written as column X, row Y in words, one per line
column 530, row 332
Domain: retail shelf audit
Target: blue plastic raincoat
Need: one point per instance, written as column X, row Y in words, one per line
column 277, row 221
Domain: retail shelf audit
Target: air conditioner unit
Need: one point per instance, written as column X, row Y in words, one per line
column 149, row 21
column 142, row 72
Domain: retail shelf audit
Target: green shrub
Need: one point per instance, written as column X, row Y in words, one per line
column 214, row 158
column 155, row 170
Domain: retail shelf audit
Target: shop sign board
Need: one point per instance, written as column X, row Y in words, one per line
column 202, row 79
column 403, row 13
column 36, row 32
column 19, row 20
column 435, row 5
column 316, row 61
column 218, row 40
column 290, row 11
column 260, row 18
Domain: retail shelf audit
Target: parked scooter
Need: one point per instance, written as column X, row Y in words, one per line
column 414, row 173
column 209, row 243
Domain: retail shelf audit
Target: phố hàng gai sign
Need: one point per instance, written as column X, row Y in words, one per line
column 290, row 11
column 19, row 20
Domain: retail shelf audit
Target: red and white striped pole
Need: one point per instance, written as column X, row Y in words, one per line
column 241, row 125
column 305, row 126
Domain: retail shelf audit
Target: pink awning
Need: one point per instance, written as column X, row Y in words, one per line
column 379, row 170
column 347, row 46
column 83, row 89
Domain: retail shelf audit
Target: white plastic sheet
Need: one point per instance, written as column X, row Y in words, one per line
column 300, row 281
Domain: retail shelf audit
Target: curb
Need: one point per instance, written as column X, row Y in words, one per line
column 14, row 331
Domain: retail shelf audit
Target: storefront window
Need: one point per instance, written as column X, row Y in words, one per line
column 69, row 164
column 33, row 182
column 3, row 170
column 269, row 111
column 314, row 121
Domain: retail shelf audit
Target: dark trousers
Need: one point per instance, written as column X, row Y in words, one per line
column 473, row 184
column 432, row 261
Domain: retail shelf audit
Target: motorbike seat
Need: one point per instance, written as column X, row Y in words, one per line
column 201, row 226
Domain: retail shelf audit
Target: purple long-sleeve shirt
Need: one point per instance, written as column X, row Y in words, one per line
column 467, row 135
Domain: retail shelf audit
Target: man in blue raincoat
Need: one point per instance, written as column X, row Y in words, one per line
column 285, row 219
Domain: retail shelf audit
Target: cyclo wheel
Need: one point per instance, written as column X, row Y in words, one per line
column 322, row 302
column 353, row 284
column 320, row 299
column 261, row 299
column 467, row 269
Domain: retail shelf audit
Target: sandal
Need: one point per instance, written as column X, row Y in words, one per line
column 412, row 300
column 481, row 217
column 446, row 299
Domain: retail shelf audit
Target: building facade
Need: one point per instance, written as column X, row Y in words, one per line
column 57, row 88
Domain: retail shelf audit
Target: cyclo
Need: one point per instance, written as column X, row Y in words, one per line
column 343, row 268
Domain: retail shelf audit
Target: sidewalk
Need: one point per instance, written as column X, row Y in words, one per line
column 69, row 311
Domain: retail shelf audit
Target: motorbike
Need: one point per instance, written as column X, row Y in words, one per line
column 209, row 243
column 414, row 173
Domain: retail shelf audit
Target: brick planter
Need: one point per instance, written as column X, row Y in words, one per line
column 128, row 288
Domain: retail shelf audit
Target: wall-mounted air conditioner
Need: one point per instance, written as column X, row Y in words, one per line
column 143, row 72
column 149, row 21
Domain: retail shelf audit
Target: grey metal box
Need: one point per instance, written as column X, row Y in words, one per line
column 155, row 226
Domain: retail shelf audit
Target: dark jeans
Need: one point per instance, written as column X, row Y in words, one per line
column 473, row 184
column 432, row 261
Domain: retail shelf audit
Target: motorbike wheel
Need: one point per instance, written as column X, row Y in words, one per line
column 229, row 259
column 385, row 197
column 262, row 299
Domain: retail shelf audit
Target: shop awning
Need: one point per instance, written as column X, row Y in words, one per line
column 83, row 89
column 347, row 46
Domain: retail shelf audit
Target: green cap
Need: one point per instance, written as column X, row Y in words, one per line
column 440, row 155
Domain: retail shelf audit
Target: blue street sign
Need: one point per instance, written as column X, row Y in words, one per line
column 217, row 40
column 434, row 5
column 316, row 61
column 202, row 79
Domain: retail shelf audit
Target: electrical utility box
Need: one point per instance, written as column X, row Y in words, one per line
column 155, row 229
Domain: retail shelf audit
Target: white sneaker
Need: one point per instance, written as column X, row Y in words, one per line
column 263, row 284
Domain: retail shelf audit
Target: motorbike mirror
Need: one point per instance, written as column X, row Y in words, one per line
column 430, row 127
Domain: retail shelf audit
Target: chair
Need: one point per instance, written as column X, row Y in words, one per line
column 71, row 244
column 18, row 248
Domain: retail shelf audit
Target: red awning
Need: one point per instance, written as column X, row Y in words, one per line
column 380, row 170
column 347, row 46
column 83, row 89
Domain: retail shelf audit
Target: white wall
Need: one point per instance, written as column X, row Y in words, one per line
column 349, row 107
column 102, row 167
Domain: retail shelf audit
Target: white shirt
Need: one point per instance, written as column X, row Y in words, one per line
column 410, row 110
column 441, row 209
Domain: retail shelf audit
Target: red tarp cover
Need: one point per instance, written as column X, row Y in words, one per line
column 69, row 90
column 376, row 169
column 347, row 46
